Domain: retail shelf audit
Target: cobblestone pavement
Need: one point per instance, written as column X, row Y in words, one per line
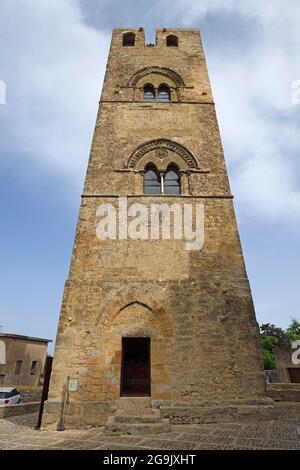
column 17, row 433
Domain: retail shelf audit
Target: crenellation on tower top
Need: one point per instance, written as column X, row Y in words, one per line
column 180, row 38
column 183, row 57
column 119, row 35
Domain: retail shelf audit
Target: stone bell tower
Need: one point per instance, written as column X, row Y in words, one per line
column 144, row 320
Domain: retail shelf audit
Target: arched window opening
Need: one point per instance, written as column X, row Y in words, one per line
column 152, row 181
column 172, row 40
column 172, row 181
column 164, row 93
column 149, row 92
column 128, row 39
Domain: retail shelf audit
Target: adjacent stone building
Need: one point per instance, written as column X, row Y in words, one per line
column 22, row 359
column 148, row 318
column 287, row 370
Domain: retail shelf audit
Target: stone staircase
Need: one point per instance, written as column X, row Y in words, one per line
column 135, row 415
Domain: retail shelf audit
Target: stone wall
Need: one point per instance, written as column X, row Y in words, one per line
column 30, row 395
column 271, row 376
column 289, row 392
column 20, row 409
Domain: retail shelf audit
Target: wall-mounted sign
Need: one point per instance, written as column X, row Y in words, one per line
column 72, row 384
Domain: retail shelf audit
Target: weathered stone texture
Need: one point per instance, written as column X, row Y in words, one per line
column 196, row 306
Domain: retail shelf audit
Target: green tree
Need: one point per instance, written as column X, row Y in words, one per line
column 274, row 331
column 293, row 331
column 269, row 360
column 268, row 342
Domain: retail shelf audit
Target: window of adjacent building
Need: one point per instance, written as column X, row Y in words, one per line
column 33, row 368
column 128, row 39
column 18, row 367
column 163, row 93
column 172, row 181
column 152, row 181
column 172, row 40
column 149, row 92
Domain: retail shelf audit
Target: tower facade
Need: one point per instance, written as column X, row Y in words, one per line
column 147, row 315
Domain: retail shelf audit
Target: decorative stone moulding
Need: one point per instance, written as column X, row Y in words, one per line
column 155, row 69
column 162, row 147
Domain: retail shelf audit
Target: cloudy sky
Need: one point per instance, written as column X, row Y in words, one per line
column 52, row 60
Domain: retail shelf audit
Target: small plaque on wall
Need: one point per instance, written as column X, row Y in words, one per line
column 72, row 384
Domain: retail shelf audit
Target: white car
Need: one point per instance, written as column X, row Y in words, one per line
column 9, row 396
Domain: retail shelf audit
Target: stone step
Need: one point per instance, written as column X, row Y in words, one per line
column 289, row 411
column 147, row 416
column 129, row 404
column 114, row 429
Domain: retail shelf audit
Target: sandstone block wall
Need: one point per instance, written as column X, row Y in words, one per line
column 196, row 306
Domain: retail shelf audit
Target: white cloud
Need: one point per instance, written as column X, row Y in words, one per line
column 264, row 10
column 252, row 86
column 52, row 64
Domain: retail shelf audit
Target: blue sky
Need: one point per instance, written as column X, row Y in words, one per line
column 52, row 59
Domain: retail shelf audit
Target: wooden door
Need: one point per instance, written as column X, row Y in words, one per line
column 135, row 373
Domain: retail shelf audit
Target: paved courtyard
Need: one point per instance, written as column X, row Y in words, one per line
column 17, row 433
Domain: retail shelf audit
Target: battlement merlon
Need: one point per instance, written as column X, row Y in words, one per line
column 187, row 37
column 185, row 64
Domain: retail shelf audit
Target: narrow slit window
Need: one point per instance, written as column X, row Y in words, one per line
column 33, row 368
column 18, row 367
